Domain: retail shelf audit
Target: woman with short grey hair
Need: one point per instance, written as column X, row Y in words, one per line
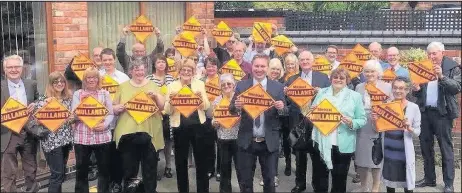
column 365, row 136
column 226, row 136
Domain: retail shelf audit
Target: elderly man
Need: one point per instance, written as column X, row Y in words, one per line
column 24, row 91
column 393, row 63
column 375, row 49
column 138, row 51
column 331, row 55
column 438, row 103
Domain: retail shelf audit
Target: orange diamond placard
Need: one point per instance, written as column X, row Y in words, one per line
column 80, row 64
column 281, row 44
column 391, row 116
column 256, row 100
column 91, row 112
column 325, row 117
column 261, row 32
column 14, row 115
column 377, row 95
column 361, row 53
column 300, row 92
column 388, row 75
column 352, row 64
column 222, row 115
column 141, row 107
column 142, row 28
column 52, row 115
column 192, row 26
column 222, row 33
column 171, row 68
column 321, row 64
column 288, row 75
column 233, row 68
column 212, row 88
column 185, row 44
column 109, row 84
column 421, row 72
column 186, row 101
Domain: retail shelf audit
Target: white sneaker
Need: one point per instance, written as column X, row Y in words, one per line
column 261, row 183
column 276, row 182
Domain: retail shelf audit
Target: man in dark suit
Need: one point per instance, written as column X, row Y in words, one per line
column 317, row 80
column 438, row 103
column 259, row 137
column 24, row 91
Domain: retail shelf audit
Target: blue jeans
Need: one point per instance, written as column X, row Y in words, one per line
column 57, row 160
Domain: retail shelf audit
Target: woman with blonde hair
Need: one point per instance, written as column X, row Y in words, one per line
column 189, row 130
column 56, row 145
column 275, row 70
column 97, row 139
column 363, row 158
column 291, row 66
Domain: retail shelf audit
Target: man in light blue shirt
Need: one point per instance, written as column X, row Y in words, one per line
column 393, row 63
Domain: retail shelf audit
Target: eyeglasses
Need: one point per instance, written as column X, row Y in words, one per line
column 185, row 70
column 338, row 78
column 92, row 78
column 400, row 88
column 226, row 84
column 56, row 82
column 231, row 41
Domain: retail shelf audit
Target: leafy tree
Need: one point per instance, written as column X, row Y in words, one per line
column 298, row 6
column 316, row 6
column 233, row 4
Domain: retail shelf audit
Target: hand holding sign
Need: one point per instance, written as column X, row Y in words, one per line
column 347, row 120
column 238, row 103
column 118, row 108
column 279, row 105
column 99, row 127
column 438, row 71
column 407, row 125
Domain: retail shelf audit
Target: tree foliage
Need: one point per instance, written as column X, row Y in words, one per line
column 304, row 6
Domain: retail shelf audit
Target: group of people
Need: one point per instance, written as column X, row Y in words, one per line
column 118, row 145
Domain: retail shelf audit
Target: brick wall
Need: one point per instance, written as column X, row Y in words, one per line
column 70, row 31
column 420, row 5
column 203, row 11
column 248, row 21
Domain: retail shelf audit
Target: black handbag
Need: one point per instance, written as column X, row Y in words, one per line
column 299, row 137
column 377, row 152
column 37, row 131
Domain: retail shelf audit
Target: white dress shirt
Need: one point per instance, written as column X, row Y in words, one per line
column 18, row 91
column 308, row 77
column 432, row 94
column 118, row 76
column 260, row 131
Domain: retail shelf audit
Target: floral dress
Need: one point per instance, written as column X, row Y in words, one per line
column 63, row 135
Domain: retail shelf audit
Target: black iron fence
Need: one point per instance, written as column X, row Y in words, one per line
column 380, row 20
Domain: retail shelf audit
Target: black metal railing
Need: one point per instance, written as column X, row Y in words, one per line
column 381, row 20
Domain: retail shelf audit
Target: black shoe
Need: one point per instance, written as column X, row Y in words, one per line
column 168, row 173
column 288, row 171
column 298, row 189
column 93, row 175
column 448, row 189
column 133, row 186
column 423, row 183
column 211, row 174
column 218, row 177
column 356, row 179
column 281, row 154
column 159, row 177
column 34, row 188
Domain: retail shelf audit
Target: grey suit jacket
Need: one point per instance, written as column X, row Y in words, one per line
column 272, row 122
column 32, row 95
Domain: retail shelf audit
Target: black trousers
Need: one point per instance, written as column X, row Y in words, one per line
column 301, row 162
column 285, row 131
column 228, row 151
column 246, row 164
column 341, row 165
column 195, row 135
column 213, row 155
column 57, row 160
column 137, row 148
column 103, row 159
column 433, row 124
column 116, row 162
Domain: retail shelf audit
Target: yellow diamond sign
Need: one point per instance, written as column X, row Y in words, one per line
column 14, row 115
column 171, row 68
column 390, row 116
column 388, row 75
column 222, row 33
column 192, row 26
column 361, row 53
column 142, row 28
column 233, row 68
column 141, row 107
column 91, row 112
column 377, row 95
column 300, row 92
column 325, row 117
column 261, row 32
column 281, row 44
column 256, row 100
column 163, row 89
column 222, row 115
column 185, row 101
column 212, row 89
column 421, row 72
column 110, row 85
column 185, row 44
column 52, row 115
column 80, row 63
column 352, row 64
column 321, row 64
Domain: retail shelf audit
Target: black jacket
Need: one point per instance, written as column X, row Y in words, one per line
column 448, row 88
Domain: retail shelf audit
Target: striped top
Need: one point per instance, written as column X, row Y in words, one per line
column 167, row 80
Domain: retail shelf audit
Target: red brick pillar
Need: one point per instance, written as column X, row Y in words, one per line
column 70, row 31
column 204, row 12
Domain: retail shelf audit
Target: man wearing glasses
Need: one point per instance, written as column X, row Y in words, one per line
column 24, row 91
